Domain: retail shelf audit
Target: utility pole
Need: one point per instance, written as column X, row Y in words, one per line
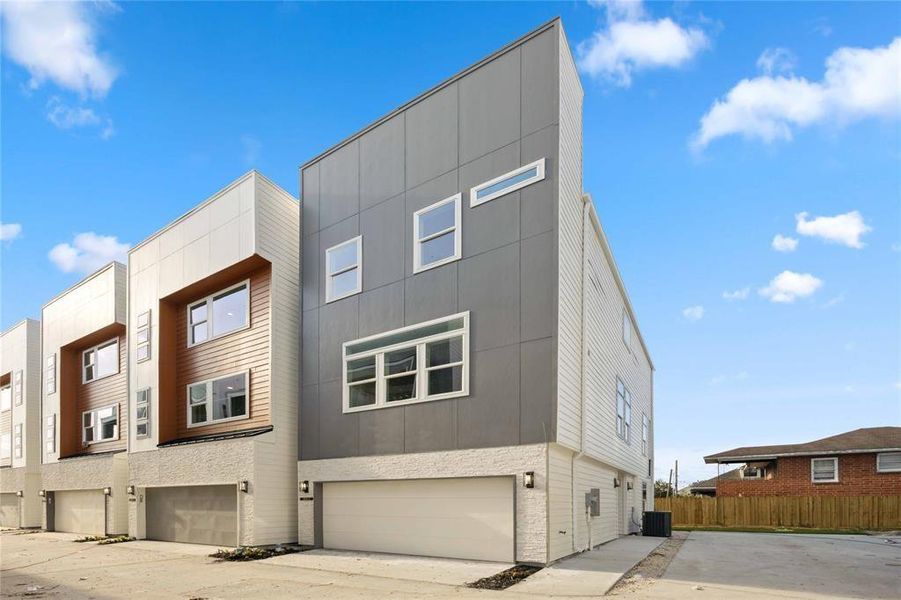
column 669, row 485
column 676, row 489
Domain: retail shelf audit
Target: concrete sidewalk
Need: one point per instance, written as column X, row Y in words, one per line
column 590, row 573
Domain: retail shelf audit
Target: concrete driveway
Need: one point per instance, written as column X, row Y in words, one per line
column 763, row 565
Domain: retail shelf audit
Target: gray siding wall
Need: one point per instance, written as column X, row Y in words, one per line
column 486, row 122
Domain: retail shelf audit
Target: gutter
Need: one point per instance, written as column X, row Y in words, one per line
column 744, row 458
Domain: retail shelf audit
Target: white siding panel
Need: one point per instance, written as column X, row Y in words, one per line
column 560, row 502
column 591, row 531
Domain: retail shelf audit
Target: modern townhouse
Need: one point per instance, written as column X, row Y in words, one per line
column 214, row 316
column 84, row 403
column 20, row 425
column 474, row 383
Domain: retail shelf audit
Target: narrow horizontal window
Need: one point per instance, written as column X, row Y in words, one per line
column 507, row 183
column 17, row 441
column 216, row 315
column 142, row 413
column 100, row 425
column 50, row 374
column 888, row 462
column 50, row 434
column 17, row 388
column 423, row 362
column 142, row 337
column 100, row 361
column 436, row 234
column 217, row 400
column 344, row 269
column 824, row 470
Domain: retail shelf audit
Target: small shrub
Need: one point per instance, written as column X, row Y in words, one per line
column 90, row 538
column 245, row 553
column 118, row 539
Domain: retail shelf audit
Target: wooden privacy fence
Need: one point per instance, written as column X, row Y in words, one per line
column 821, row 512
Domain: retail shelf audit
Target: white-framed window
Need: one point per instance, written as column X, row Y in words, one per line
column 17, row 440
column 6, row 447
column 17, row 387
column 627, row 329
column 506, row 183
column 824, row 470
column 50, row 373
column 142, row 413
column 623, row 411
column 419, row 363
column 142, row 337
column 344, row 269
column 6, row 398
column 436, row 234
column 100, row 425
column 217, row 400
column 645, row 433
column 752, row 472
column 216, row 315
column 888, row 462
column 50, row 434
column 100, row 361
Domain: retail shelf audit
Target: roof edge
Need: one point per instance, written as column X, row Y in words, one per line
column 110, row 265
column 713, row 459
column 18, row 324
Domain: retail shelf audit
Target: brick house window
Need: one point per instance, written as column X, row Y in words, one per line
column 824, row 470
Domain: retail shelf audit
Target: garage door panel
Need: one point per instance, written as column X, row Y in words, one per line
column 457, row 518
column 9, row 510
column 193, row 514
column 80, row 511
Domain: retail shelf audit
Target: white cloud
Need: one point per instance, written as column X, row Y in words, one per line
column 858, row 83
column 56, row 41
column 777, row 60
column 10, row 231
column 834, row 301
column 693, row 313
column 783, row 243
column 740, row 294
column 88, row 252
column 843, row 229
column 633, row 42
column 252, row 148
column 788, row 286
column 69, row 117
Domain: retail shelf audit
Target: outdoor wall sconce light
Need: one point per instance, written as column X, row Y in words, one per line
column 628, row 485
column 42, row 493
column 616, row 482
column 107, row 491
column 305, row 487
column 243, row 485
column 528, row 479
column 130, row 490
column 19, row 494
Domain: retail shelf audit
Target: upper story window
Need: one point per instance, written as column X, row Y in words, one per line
column 216, row 315
column 142, row 413
column 50, row 374
column 6, row 398
column 752, row 472
column 17, row 441
column 645, row 434
column 436, row 234
column 143, row 337
column 100, row 425
column 344, row 269
column 17, row 388
column 217, row 400
column 100, row 361
column 507, row 183
column 824, row 470
column 623, row 411
column 50, row 434
column 888, row 462
column 627, row 329
column 428, row 361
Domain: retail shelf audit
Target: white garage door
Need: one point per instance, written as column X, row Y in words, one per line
column 456, row 518
column 202, row 514
column 80, row 511
column 9, row 510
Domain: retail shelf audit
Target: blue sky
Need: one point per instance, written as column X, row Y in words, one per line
column 708, row 128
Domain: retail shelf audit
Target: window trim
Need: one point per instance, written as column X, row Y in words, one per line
column 17, row 388
column 142, row 328
column 627, row 327
column 50, row 434
column 146, row 420
column 209, row 400
column 474, row 200
column 94, row 349
column 626, row 434
column 834, row 460
column 881, row 470
column 329, row 297
column 457, row 200
column 645, row 434
column 93, row 412
column 50, row 373
column 18, row 441
column 421, row 368
column 208, row 300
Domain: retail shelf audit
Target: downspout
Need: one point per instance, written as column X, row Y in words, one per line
column 586, row 206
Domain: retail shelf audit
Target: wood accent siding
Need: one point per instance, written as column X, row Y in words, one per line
column 103, row 392
column 247, row 349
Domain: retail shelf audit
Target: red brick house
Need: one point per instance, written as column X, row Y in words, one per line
column 863, row 462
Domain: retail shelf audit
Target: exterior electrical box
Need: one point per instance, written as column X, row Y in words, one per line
column 593, row 502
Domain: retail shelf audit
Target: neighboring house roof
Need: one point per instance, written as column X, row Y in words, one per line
column 710, row 484
column 869, row 439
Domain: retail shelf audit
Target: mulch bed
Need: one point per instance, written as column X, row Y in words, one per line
column 504, row 579
column 246, row 553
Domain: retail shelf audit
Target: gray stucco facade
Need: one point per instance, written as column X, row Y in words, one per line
column 501, row 114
